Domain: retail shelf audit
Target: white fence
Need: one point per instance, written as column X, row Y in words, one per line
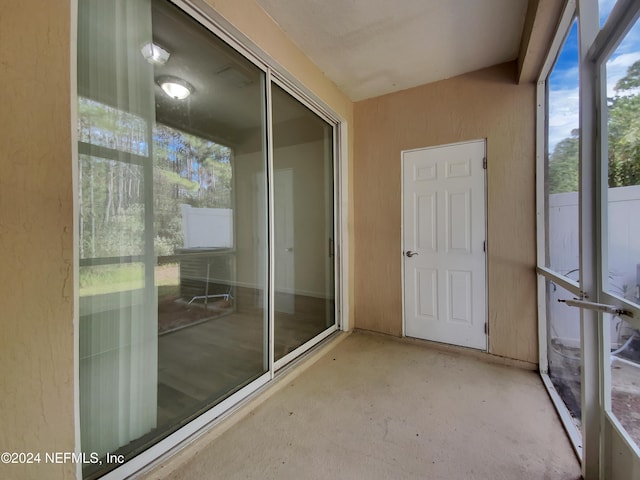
column 207, row 227
column 623, row 254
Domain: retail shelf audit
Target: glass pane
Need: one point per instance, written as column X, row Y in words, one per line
column 564, row 349
column 623, row 154
column 625, row 377
column 604, row 9
column 303, row 210
column 561, row 166
column 172, row 206
column 112, row 214
column 102, row 125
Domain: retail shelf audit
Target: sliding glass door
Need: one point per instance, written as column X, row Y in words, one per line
column 206, row 226
column 303, row 218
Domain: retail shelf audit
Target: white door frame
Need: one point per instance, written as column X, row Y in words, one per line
column 402, row 233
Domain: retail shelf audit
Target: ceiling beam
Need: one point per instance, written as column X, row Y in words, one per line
column 539, row 28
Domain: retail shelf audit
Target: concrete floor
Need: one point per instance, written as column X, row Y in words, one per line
column 376, row 407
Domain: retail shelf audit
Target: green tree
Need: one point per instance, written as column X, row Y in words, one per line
column 624, row 130
column 187, row 170
column 623, row 141
column 563, row 165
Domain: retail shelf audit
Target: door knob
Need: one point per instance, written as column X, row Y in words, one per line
column 411, row 254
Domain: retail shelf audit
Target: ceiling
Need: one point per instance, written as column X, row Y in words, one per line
column 367, row 47
column 373, row 47
column 227, row 97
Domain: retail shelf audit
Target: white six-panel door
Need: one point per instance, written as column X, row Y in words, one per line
column 444, row 244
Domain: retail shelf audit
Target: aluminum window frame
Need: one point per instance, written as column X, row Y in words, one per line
column 622, row 18
column 543, row 272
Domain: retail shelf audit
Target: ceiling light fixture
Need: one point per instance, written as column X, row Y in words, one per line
column 175, row 87
column 155, row 54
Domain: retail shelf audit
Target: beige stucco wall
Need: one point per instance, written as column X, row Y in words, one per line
column 484, row 104
column 36, row 216
column 36, row 237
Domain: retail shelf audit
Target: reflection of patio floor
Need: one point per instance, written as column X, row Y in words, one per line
column 175, row 313
column 564, row 371
column 205, row 354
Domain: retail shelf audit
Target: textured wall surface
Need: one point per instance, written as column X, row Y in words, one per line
column 36, row 237
column 483, row 104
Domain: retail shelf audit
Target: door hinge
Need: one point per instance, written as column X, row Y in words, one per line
column 486, row 328
column 484, row 163
column 484, row 246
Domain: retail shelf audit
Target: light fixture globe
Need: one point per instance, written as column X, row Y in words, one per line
column 175, row 87
column 155, row 54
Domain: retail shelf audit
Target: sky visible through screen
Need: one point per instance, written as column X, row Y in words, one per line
column 563, row 81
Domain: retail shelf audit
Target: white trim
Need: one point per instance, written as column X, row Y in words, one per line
column 343, row 247
column 588, row 27
column 464, row 142
column 601, row 191
column 543, row 359
column 270, row 287
column 618, row 24
column 402, row 282
column 541, row 147
column 187, row 434
column 565, row 417
column 337, row 231
column 568, row 284
column 562, row 32
column 486, row 246
column 283, row 361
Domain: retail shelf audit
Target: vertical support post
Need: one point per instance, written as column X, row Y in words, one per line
column 541, row 220
column 590, row 326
